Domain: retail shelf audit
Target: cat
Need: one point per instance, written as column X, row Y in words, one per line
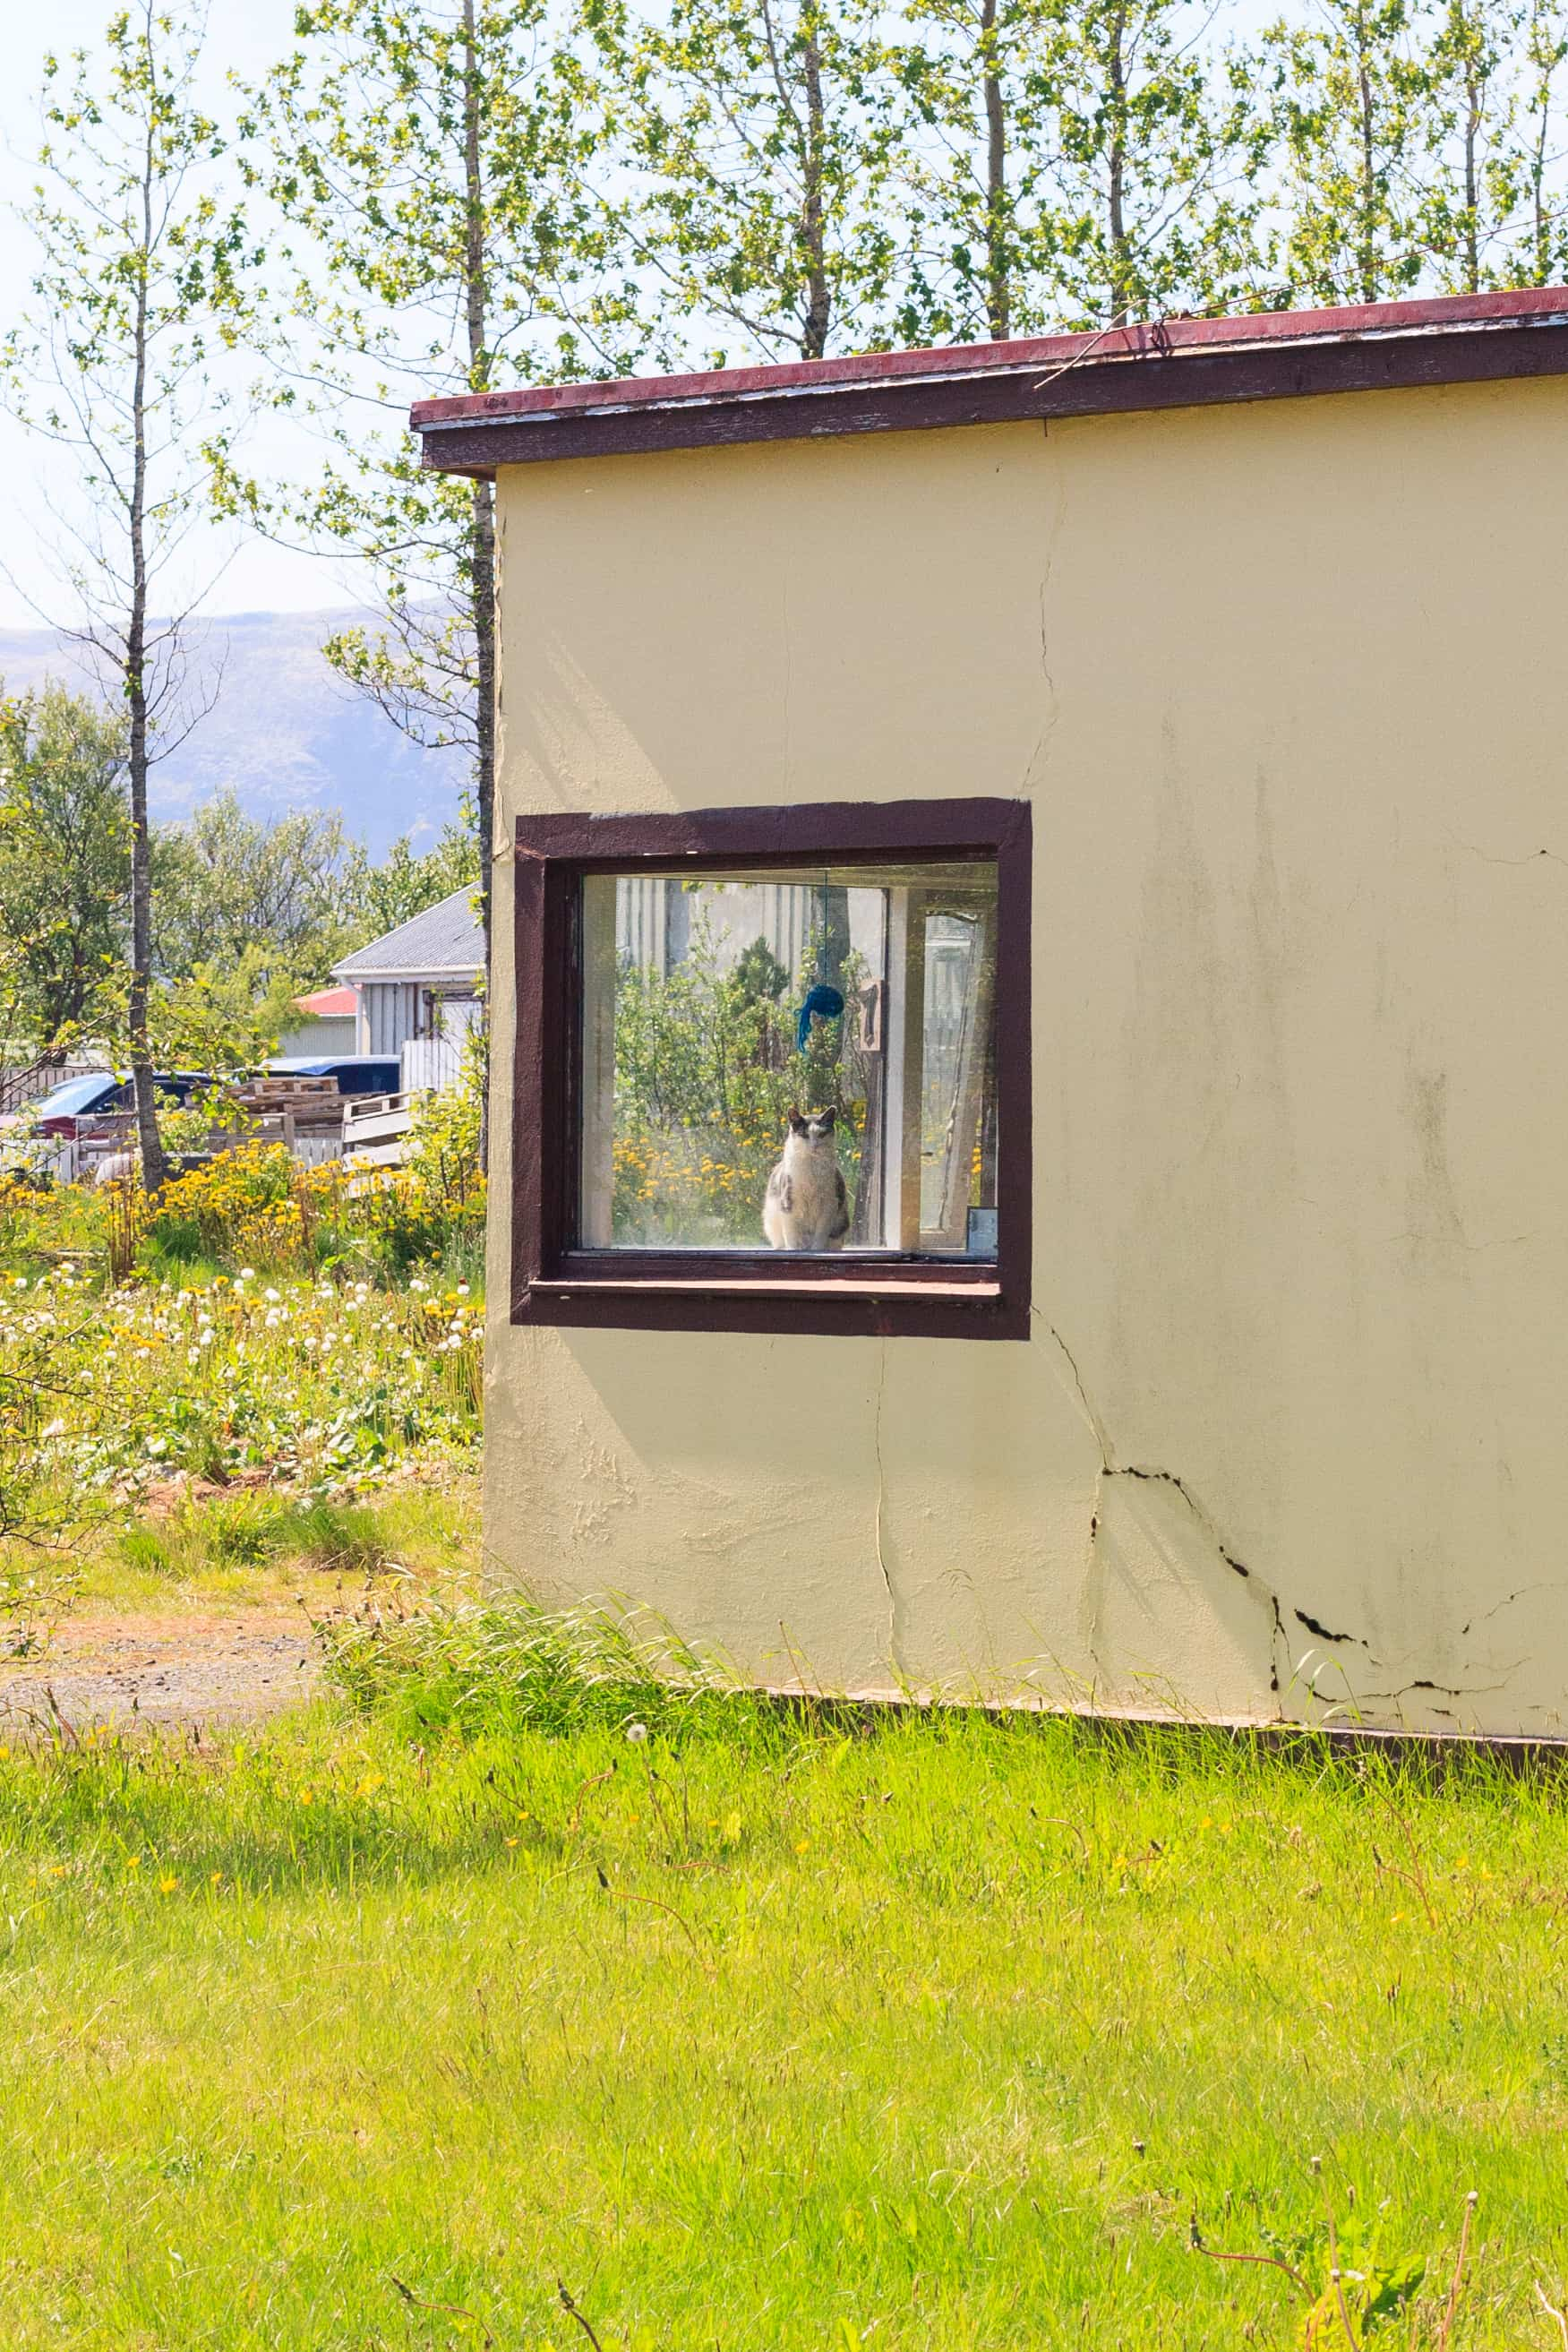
column 806, row 1206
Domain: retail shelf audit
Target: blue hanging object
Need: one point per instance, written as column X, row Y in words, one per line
column 822, row 1004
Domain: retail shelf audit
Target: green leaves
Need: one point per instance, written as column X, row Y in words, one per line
column 64, row 863
column 759, row 143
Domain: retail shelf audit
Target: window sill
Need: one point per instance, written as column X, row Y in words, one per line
column 930, row 1306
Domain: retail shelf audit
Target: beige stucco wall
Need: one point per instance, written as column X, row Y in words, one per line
column 1286, row 686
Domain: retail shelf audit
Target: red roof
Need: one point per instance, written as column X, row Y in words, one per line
column 329, row 1003
column 1165, row 364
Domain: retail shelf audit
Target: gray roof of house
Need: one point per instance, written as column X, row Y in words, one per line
column 444, row 942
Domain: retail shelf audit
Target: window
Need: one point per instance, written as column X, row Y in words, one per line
column 773, row 1070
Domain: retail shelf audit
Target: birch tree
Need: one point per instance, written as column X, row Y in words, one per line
column 139, row 286
column 975, row 81
column 1539, row 246
column 757, row 142
column 1475, row 180
column 1353, row 88
column 1159, row 150
column 1100, row 162
column 427, row 155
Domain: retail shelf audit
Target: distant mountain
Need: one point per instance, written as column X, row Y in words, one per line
column 284, row 733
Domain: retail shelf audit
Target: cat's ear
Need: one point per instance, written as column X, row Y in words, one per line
column 796, row 1121
column 826, row 1118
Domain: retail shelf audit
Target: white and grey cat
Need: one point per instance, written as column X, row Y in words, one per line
column 806, row 1206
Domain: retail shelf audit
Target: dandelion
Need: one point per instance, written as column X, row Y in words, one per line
column 168, row 1886
column 636, row 1733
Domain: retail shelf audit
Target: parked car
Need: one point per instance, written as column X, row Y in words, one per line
column 72, row 1108
column 356, row 1074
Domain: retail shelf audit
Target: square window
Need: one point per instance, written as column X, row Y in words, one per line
column 773, row 1070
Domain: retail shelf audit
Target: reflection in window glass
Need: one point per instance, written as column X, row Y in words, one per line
column 793, row 1060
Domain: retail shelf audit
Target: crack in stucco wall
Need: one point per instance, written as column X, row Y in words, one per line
column 894, row 1643
column 1278, row 1604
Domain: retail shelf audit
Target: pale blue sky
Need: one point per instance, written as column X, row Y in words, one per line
column 246, row 35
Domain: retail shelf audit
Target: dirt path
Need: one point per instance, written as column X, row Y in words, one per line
column 213, row 1671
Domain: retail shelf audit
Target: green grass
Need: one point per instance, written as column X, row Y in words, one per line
column 759, row 2034
column 259, row 1545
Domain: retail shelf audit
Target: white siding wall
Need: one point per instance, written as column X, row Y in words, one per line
column 389, row 1010
column 337, row 1033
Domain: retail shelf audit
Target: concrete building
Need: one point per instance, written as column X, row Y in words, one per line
column 1198, row 692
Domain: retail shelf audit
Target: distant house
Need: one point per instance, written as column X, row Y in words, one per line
column 329, row 1024
column 417, row 988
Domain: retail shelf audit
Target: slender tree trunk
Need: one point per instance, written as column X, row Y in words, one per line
column 999, row 288
column 481, row 528
column 1474, row 92
column 818, row 306
column 148, row 1138
column 1368, row 238
column 1539, row 222
column 1120, row 256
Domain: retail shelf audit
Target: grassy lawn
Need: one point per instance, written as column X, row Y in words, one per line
column 752, row 2033
column 756, row 2034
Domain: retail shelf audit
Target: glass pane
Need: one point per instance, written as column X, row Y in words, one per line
column 795, row 1060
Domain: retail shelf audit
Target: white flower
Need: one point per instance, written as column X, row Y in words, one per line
column 55, row 1429
column 245, row 1273
column 636, row 1732
column 272, row 1294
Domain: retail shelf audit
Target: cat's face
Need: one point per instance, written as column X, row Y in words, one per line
column 813, row 1127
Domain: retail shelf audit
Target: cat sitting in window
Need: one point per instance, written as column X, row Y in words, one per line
column 806, row 1206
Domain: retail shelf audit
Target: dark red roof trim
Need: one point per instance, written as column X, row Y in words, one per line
column 1178, row 363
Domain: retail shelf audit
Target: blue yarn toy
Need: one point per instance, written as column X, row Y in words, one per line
column 823, row 1003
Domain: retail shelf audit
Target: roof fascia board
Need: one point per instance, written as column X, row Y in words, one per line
column 1191, row 363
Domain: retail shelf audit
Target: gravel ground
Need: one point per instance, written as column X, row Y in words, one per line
column 186, row 1671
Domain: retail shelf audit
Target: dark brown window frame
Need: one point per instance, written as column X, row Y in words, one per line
column 555, row 1283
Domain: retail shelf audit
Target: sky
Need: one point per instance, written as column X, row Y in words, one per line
column 245, row 36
